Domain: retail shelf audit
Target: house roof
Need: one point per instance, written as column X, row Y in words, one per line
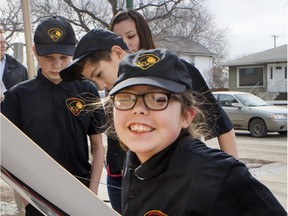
column 182, row 45
column 274, row 55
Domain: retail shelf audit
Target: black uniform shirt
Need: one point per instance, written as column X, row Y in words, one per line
column 55, row 117
column 188, row 178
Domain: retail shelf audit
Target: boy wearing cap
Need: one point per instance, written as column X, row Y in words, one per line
column 96, row 58
column 168, row 171
column 52, row 112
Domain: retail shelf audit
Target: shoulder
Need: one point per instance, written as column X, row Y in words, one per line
column 190, row 67
column 14, row 62
column 199, row 151
column 24, row 86
column 82, row 86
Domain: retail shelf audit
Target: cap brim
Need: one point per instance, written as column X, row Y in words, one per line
column 168, row 85
column 71, row 73
column 47, row 49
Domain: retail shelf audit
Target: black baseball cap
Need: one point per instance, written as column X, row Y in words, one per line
column 158, row 67
column 55, row 35
column 97, row 39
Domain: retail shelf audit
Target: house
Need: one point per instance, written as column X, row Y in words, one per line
column 191, row 51
column 263, row 74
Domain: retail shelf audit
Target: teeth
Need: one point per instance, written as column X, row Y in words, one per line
column 140, row 128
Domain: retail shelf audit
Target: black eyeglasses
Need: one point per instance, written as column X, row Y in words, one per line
column 152, row 100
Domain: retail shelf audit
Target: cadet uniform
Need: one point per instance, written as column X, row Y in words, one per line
column 188, row 178
column 43, row 109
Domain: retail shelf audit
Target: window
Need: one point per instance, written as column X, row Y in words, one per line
column 285, row 73
column 271, row 73
column 227, row 100
column 251, row 76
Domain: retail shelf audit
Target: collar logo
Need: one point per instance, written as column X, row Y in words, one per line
column 55, row 33
column 75, row 105
column 145, row 61
column 155, row 213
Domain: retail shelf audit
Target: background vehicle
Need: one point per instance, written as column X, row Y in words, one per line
column 249, row 112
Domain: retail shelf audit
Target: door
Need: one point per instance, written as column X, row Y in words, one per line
column 277, row 78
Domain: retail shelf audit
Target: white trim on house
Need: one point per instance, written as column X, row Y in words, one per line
column 276, row 81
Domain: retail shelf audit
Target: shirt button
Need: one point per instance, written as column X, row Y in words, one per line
column 132, row 194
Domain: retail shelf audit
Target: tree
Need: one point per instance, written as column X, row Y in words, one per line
column 186, row 18
column 217, row 78
column 189, row 18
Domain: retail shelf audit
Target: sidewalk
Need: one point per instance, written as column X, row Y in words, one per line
column 102, row 191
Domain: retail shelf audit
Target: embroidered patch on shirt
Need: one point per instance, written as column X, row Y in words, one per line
column 75, row 105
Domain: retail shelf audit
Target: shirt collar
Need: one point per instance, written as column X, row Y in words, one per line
column 152, row 167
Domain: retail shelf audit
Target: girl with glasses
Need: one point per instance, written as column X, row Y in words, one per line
column 168, row 171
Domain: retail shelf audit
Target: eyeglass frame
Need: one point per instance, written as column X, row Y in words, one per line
column 168, row 95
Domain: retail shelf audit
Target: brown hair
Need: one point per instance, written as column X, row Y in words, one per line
column 197, row 129
column 142, row 27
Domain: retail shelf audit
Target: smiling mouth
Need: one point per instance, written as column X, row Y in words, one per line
column 140, row 128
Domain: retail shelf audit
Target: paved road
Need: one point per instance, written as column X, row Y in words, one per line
column 266, row 158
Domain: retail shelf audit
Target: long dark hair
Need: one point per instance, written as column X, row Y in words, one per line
column 142, row 27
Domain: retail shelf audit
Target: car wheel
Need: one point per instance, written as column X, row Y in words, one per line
column 258, row 128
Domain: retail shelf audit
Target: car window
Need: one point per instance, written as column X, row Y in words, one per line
column 226, row 100
column 251, row 100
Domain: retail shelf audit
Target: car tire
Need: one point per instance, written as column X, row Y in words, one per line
column 258, row 128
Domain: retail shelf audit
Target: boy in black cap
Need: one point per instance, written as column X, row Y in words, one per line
column 168, row 171
column 96, row 58
column 52, row 112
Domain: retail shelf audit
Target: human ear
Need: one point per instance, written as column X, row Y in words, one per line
column 34, row 51
column 118, row 51
column 187, row 117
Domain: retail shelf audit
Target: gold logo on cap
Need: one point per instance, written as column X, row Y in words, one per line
column 145, row 61
column 55, row 33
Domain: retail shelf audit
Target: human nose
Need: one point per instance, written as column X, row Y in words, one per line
column 100, row 84
column 57, row 63
column 139, row 107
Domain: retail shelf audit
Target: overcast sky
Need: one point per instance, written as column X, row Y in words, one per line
column 252, row 24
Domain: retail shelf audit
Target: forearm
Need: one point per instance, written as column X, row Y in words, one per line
column 97, row 153
column 227, row 143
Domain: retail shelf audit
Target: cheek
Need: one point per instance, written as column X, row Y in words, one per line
column 119, row 119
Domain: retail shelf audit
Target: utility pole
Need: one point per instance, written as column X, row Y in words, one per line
column 129, row 4
column 274, row 36
column 28, row 37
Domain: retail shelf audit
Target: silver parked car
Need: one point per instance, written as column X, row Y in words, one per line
column 249, row 112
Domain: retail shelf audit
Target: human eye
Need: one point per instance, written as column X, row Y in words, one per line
column 131, row 36
column 157, row 100
column 124, row 101
column 124, row 97
column 64, row 57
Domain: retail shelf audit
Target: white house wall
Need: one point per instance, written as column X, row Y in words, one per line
column 202, row 63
